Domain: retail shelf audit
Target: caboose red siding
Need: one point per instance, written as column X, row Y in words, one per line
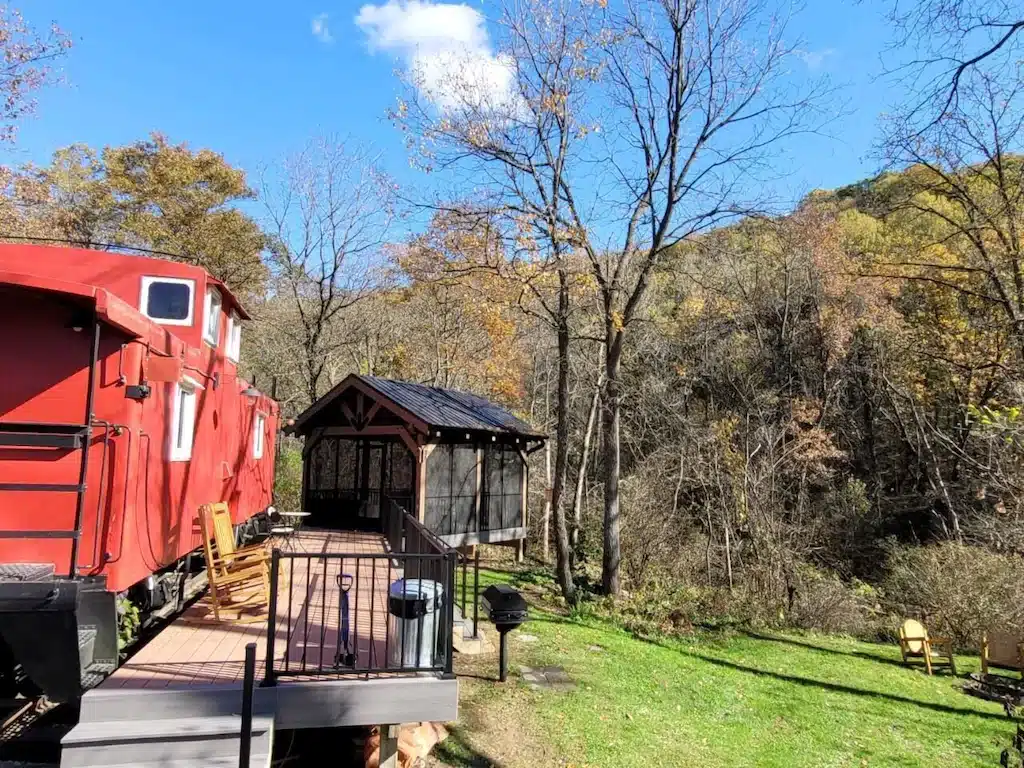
column 141, row 499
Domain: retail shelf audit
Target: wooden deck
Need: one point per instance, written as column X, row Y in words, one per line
column 195, row 651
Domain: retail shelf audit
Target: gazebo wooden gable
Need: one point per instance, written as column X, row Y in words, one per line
column 456, row 461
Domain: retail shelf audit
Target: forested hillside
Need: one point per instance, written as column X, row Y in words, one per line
column 808, row 400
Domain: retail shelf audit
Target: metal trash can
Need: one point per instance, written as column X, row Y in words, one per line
column 414, row 608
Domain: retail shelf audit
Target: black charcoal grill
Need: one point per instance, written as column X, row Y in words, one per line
column 506, row 608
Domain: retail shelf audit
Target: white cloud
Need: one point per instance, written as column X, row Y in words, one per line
column 320, row 30
column 446, row 49
column 814, row 59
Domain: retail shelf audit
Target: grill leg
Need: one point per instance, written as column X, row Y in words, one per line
column 503, row 657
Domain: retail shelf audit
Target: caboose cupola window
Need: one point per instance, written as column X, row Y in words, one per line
column 168, row 300
column 211, row 322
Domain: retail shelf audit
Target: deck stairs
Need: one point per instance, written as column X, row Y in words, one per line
column 170, row 742
column 463, row 640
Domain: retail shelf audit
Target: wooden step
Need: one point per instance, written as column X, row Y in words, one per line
column 193, row 741
column 104, row 704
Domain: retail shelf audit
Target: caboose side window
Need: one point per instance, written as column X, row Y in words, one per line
column 211, row 323
column 258, row 429
column 183, row 421
column 234, row 349
column 168, row 300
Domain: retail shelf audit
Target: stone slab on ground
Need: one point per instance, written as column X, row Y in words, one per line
column 547, row 678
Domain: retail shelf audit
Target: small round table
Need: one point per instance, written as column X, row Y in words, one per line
column 287, row 530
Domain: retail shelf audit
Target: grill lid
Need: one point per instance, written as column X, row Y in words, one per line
column 504, row 603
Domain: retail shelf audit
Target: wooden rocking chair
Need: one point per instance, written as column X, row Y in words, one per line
column 239, row 578
column 1003, row 650
column 916, row 644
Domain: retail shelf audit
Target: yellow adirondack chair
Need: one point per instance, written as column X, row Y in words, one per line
column 915, row 643
column 1002, row 649
column 239, row 578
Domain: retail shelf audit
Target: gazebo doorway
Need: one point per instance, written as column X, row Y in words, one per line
column 350, row 481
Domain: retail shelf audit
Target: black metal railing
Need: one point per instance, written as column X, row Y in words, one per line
column 467, row 589
column 333, row 613
column 467, row 582
column 248, row 683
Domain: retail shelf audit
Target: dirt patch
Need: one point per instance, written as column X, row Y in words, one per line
column 497, row 726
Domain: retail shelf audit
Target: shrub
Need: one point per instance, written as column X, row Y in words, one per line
column 677, row 609
column 288, row 476
column 824, row 602
column 820, row 601
column 959, row 590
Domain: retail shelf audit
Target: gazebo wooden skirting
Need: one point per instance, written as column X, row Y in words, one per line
column 454, row 460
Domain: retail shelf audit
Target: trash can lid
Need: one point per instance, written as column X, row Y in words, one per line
column 416, row 589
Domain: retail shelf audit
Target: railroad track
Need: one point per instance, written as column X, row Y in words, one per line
column 31, row 732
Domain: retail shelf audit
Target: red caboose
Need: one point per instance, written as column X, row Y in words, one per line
column 121, row 411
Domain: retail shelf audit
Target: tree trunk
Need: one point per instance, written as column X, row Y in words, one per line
column 612, row 546
column 562, row 551
column 548, row 495
column 728, row 553
column 546, row 520
column 581, row 476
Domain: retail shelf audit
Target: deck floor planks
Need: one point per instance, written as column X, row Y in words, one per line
column 195, row 651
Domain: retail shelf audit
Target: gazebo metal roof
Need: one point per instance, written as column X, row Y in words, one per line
column 438, row 408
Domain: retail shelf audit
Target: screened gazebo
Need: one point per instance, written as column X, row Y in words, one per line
column 454, row 460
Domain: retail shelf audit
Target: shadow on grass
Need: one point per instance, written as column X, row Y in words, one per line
column 457, row 752
column 484, row 678
column 792, row 679
column 811, row 646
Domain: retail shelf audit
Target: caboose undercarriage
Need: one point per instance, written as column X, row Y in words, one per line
column 60, row 634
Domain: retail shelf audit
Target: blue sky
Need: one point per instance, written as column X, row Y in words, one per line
column 255, row 80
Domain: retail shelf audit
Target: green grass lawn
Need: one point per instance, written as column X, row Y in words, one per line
column 767, row 699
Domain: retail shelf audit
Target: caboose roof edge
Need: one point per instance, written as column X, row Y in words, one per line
column 113, row 310
column 168, row 267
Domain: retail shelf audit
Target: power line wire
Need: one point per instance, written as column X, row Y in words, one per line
column 98, row 246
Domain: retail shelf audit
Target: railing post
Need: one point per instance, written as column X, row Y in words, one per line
column 248, row 682
column 465, row 585
column 275, row 571
column 450, row 620
column 476, row 591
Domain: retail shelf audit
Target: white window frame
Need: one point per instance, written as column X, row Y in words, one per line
column 208, row 312
column 183, row 420
column 259, row 430
column 234, row 340
column 148, row 280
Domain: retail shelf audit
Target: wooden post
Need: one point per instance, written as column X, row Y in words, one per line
column 389, row 746
column 524, row 488
column 478, row 500
column 421, row 481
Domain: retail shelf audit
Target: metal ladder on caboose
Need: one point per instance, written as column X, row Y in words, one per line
column 36, row 590
column 49, row 435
